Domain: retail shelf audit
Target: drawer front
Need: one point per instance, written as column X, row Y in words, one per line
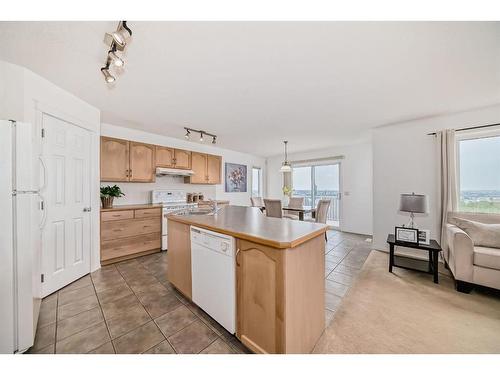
column 132, row 245
column 150, row 212
column 117, row 215
column 111, row 230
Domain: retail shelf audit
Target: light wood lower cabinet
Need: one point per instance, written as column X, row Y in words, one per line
column 179, row 257
column 280, row 296
column 129, row 233
column 259, row 293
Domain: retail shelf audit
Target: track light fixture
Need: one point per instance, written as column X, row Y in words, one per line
column 202, row 134
column 115, row 59
column 117, row 41
column 107, row 75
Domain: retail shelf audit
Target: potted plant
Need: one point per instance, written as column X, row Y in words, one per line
column 108, row 193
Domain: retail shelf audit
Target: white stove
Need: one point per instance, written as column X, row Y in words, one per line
column 172, row 201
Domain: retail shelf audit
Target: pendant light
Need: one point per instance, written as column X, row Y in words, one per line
column 286, row 166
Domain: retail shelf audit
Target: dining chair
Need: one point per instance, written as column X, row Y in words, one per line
column 273, row 208
column 257, row 202
column 294, row 202
column 322, row 212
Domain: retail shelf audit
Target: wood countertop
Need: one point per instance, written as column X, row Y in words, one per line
column 249, row 223
column 132, row 207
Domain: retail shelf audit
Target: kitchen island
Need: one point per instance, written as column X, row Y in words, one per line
column 280, row 267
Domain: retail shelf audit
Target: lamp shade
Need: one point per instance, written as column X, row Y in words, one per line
column 416, row 203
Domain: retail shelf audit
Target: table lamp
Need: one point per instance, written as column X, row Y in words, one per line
column 413, row 203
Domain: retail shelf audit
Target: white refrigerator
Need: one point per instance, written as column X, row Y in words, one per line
column 21, row 213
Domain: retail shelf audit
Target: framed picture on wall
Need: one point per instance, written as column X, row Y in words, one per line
column 236, row 178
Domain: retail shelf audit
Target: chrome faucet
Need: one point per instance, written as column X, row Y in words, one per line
column 213, row 203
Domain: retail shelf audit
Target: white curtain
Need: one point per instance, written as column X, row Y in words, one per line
column 446, row 144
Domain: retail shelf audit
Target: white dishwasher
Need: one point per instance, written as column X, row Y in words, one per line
column 213, row 275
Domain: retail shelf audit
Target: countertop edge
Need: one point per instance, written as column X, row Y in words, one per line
column 125, row 207
column 249, row 237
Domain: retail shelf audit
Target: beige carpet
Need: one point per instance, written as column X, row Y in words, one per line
column 405, row 312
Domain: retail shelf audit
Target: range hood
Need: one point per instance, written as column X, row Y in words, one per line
column 173, row 172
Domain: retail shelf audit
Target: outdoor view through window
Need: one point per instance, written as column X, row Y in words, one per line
column 319, row 182
column 480, row 175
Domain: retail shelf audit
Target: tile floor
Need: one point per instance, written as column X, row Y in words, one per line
column 130, row 307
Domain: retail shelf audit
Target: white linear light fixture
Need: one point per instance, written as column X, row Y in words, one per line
column 117, row 41
column 202, row 133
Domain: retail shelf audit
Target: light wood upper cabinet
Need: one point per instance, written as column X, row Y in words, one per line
column 259, row 275
column 173, row 158
column 207, row 169
column 182, row 159
column 214, row 166
column 165, row 157
column 199, row 167
column 114, row 159
column 129, row 161
column 142, row 162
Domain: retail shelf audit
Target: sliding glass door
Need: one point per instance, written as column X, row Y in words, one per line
column 317, row 182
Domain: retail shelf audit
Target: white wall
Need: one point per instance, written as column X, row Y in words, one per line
column 140, row 192
column 405, row 160
column 356, row 177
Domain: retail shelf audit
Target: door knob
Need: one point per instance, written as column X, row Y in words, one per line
column 87, row 209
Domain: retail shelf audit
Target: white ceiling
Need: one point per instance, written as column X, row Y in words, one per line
column 257, row 83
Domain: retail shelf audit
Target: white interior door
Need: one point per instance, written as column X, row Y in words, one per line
column 66, row 235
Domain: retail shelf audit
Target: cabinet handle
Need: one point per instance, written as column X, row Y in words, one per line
column 117, row 215
column 118, row 230
column 237, row 253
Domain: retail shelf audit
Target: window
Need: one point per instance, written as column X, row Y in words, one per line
column 479, row 174
column 315, row 182
column 256, row 182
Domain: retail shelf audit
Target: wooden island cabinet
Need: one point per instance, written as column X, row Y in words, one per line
column 279, row 265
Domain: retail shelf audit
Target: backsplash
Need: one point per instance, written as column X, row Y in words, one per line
column 140, row 193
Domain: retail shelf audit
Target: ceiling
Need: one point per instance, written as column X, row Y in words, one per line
column 255, row 84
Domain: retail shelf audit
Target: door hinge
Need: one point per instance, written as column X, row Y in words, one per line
column 43, row 133
column 42, row 278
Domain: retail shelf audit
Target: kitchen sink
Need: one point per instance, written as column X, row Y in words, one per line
column 194, row 212
column 199, row 212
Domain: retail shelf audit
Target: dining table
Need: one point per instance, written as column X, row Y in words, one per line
column 300, row 211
